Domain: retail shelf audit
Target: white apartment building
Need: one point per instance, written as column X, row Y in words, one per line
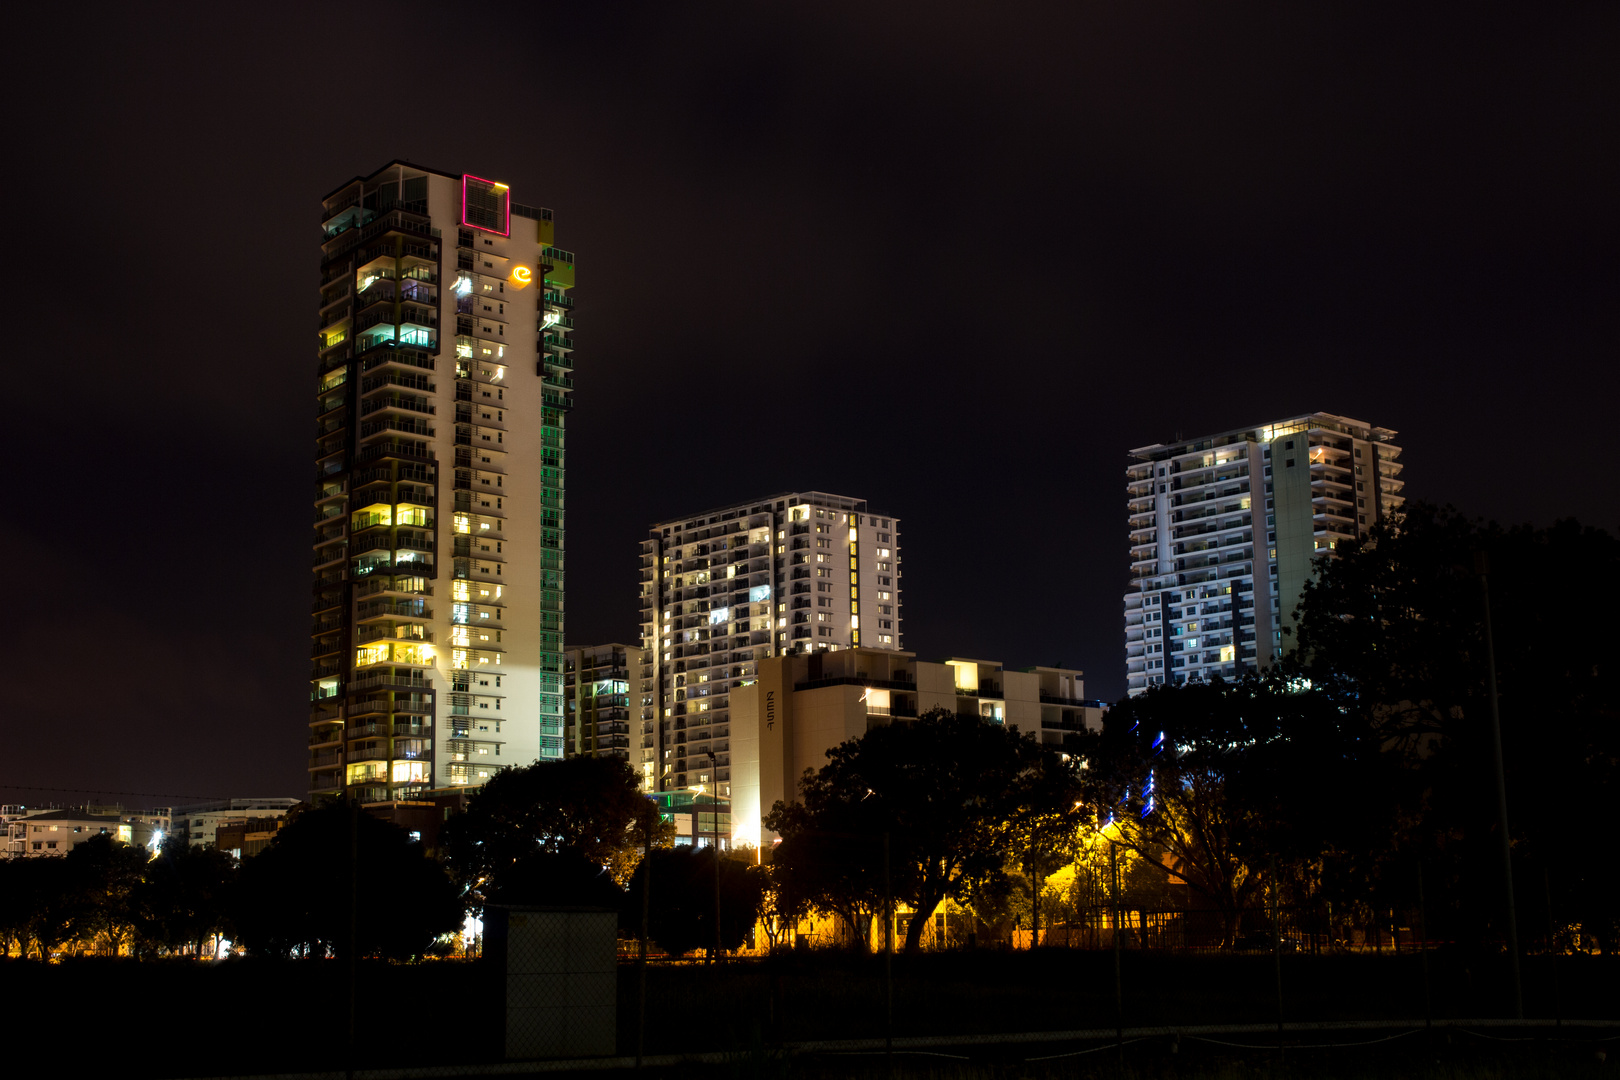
column 722, row 590
column 1226, row 529
column 438, row 486
column 44, row 832
column 802, row 705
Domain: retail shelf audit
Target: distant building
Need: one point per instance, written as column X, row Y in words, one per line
column 1226, row 529
column 693, row 815
column 726, row 588
column 247, row 836
column 801, row 706
column 58, row 831
column 200, row 824
column 596, row 699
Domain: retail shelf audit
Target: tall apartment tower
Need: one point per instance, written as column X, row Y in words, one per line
column 438, row 546
column 721, row 590
column 1226, row 529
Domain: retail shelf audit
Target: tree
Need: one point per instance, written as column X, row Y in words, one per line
column 1222, row 778
column 680, row 914
column 103, row 875
column 40, row 908
column 1043, row 832
column 942, row 787
column 184, row 897
column 1393, row 629
column 295, row 895
column 586, row 805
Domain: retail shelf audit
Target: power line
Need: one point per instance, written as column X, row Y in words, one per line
column 105, row 791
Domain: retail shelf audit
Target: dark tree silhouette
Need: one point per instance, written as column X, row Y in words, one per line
column 943, row 787
column 589, row 806
column 295, row 895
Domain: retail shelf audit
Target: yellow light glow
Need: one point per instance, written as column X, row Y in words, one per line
column 1227, row 654
column 522, row 276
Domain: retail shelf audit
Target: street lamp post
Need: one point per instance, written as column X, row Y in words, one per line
column 714, row 799
column 1482, row 568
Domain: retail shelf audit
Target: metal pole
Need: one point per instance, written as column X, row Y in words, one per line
column 1552, row 949
column 1276, row 949
column 1119, row 986
column 354, row 923
column 1423, row 950
column 641, row 956
column 888, row 958
column 1482, row 568
column 714, row 800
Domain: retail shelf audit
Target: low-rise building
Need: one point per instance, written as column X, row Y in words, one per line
column 800, row 706
column 200, row 824
column 693, row 815
column 47, row 832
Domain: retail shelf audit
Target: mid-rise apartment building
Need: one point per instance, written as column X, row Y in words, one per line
column 722, row 590
column 1226, row 529
column 800, row 706
column 441, row 395
column 596, row 693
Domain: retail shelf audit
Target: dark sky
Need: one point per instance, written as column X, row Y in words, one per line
column 967, row 256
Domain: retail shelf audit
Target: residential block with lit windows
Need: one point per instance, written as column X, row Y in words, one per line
column 1226, row 529
column 721, row 590
column 596, row 693
column 441, row 395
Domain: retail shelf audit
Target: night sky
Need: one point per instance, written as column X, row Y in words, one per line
column 955, row 260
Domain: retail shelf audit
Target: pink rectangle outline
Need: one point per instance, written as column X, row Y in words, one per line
column 496, row 183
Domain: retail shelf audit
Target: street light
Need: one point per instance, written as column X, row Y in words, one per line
column 714, row 802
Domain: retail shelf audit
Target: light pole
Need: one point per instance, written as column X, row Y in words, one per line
column 1482, row 568
column 714, row 802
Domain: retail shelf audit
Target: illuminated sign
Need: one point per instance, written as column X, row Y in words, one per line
column 522, row 276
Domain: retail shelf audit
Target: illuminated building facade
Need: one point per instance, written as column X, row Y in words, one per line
column 596, row 693
column 1225, row 531
column 800, row 706
column 442, row 393
column 722, row 590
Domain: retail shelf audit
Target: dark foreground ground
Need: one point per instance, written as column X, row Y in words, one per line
column 161, row 1019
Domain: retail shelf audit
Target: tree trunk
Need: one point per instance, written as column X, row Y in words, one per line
column 914, row 926
column 1034, row 909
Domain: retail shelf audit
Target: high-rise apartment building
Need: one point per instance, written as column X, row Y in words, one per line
column 1225, row 531
column 438, row 546
column 596, row 699
column 722, row 590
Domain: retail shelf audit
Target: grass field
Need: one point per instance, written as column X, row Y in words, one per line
column 184, row 1019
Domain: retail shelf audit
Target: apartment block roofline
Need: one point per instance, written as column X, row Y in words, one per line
column 842, row 502
column 1345, row 424
column 397, row 161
